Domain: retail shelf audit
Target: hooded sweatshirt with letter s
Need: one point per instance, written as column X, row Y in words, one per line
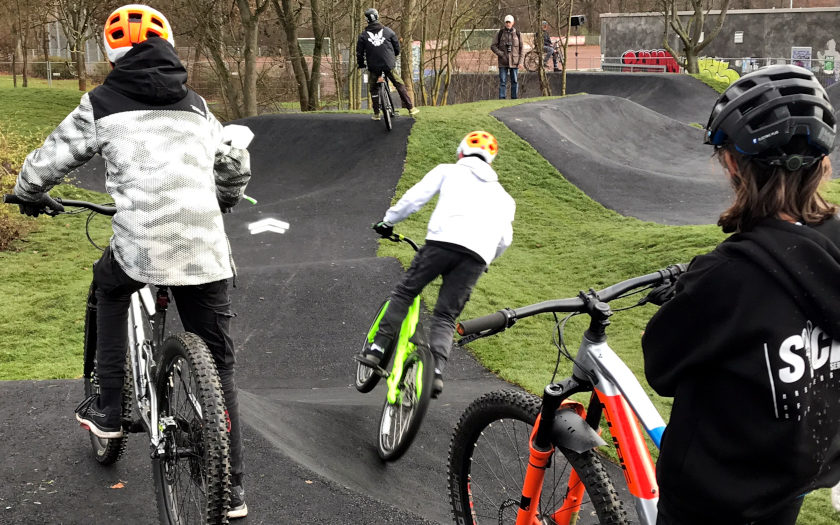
column 749, row 347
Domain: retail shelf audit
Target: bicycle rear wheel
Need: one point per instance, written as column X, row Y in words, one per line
column 192, row 476
column 400, row 421
column 488, row 457
column 366, row 378
column 532, row 61
column 387, row 108
column 106, row 451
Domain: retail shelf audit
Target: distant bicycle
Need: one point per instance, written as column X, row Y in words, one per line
column 386, row 105
column 409, row 380
column 518, row 459
column 179, row 403
column 532, row 57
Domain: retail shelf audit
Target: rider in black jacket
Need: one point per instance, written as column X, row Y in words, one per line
column 378, row 47
column 749, row 347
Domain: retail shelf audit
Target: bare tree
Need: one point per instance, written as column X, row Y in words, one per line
column 308, row 80
column 250, row 34
column 690, row 30
column 78, row 19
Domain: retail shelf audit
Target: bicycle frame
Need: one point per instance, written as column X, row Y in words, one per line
column 616, row 395
column 142, row 354
column 404, row 348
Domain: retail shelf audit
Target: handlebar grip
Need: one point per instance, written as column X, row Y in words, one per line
column 12, row 199
column 494, row 321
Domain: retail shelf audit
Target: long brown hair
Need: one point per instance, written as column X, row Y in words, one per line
column 763, row 191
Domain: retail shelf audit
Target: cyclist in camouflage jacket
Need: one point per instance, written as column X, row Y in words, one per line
column 171, row 170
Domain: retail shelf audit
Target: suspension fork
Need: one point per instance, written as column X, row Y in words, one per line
column 541, row 449
column 404, row 347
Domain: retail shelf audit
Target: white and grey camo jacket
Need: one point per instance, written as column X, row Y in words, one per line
column 168, row 167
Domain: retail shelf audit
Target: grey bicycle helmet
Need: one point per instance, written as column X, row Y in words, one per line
column 763, row 111
column 372, row 15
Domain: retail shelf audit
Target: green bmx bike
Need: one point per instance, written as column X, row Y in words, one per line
column 409, row 378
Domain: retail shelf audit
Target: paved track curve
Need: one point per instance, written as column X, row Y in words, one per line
column 303, row 301
column 627, row 157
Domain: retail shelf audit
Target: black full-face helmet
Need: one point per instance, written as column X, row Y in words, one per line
column 372, row 15
column 763, row 111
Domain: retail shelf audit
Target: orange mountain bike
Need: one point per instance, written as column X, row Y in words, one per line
column 518, row 459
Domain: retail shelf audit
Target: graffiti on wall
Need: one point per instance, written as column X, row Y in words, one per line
column 650, row 57
column 717, row 70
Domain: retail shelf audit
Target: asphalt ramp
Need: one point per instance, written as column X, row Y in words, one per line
column 627, row 157
column 303, row 302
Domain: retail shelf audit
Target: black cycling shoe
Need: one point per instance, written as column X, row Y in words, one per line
column 437, row 384
column 371, row 357
column 102, row 425
column 238, row 508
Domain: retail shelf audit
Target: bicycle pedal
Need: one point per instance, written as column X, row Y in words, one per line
column 378, row 370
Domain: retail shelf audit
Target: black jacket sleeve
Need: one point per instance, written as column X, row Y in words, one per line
column 395, row 42
column 694, row 327
column 360, row 51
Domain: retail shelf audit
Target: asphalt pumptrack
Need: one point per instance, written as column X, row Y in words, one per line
column 304, row 299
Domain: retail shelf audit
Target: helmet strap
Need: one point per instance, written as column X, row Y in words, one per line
column 790, row 162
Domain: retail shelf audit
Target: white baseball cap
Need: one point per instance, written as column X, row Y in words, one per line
column 509, row 18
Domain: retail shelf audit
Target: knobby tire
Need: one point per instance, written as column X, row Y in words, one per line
column 488, row 456
column 192, row 485
column 105, row 451
column 386, row 107
column 407, row 414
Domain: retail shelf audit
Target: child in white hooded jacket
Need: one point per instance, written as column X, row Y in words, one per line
column 469, row 228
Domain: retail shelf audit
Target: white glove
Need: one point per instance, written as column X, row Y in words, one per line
column 237, row 136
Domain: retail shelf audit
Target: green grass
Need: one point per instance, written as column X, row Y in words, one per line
column 563, row 242
column 71, row 84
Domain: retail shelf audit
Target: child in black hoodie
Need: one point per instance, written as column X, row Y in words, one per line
column 749, row 346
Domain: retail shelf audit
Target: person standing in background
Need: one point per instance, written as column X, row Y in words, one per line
column 508, row 47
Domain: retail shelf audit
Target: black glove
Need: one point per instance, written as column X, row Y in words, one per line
column 384, row 228
column 661, row 294
column 43, row 204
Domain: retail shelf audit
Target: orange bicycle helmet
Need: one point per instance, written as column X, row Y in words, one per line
column 479, row 143
column 132, row 24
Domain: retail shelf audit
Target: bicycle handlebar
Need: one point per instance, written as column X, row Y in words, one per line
column 504, row 319
column 98, row 208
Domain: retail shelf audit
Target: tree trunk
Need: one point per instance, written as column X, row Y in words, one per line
column 545, row 89
column 249, row 83
column 566, row 48
column 423, row 92
column 14, row 54
column 81, row 69
column 407, row 47
column 289, row 23
column 317, row 51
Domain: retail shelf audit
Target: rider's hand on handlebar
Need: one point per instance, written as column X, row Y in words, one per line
column 43, row 203
column 384, row 228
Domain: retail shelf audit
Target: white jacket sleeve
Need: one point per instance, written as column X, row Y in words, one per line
column 416, row 196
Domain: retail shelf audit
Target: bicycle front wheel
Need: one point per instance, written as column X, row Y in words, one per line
column 192, row 476
column 387, row 107
column 401, row 420
column 106, row 451
column 488, row 458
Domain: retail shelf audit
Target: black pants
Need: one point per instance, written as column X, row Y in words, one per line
column 395, row 81
column 785, row 516
column 460, row 272
column 204, row 310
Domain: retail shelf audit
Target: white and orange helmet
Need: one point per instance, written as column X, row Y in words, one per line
column 479, row 143
column 131, row 24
